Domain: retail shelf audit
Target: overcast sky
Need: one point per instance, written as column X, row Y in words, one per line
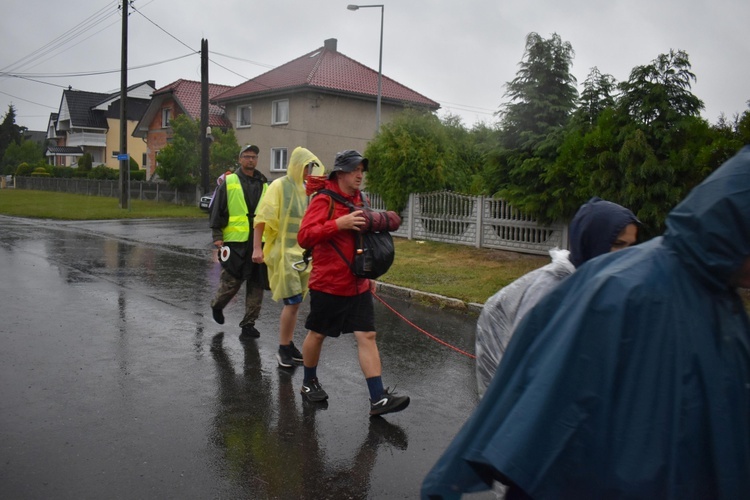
column 459, row 53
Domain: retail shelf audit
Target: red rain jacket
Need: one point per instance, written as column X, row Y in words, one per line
column 330, row 274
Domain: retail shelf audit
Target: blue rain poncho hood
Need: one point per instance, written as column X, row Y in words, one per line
column 595, row 228
column 281, row 211
column 631, row 379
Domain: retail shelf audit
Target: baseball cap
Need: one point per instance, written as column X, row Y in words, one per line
column 252, row 147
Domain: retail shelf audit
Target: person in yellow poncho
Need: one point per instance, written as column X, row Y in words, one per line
column 277, row 220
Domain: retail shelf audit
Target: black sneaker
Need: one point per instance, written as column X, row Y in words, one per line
column 313, row 392
column 249, row 332
column 388, row 403
column 218, row 315
column 284, row 357
column 296, row 355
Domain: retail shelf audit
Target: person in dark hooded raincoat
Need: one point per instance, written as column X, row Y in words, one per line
column 632, row 378
column 598, row 227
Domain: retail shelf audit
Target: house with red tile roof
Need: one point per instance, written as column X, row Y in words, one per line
column 182, row 97
column 323, row 100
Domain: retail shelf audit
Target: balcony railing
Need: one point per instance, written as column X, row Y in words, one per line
column 95, row 139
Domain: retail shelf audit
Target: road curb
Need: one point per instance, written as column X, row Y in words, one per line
column 430, row 299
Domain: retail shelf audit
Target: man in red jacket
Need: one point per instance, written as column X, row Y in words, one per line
column 339, row 301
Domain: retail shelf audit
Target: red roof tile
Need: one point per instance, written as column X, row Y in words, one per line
column 330, row 70
column 188, row 94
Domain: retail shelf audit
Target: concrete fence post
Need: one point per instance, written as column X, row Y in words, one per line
column 479, row 200
column 410, row 212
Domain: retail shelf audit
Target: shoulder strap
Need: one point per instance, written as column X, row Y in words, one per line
column 337, row 197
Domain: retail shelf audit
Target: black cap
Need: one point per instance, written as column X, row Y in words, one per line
column 252, row 147
column 347, row 161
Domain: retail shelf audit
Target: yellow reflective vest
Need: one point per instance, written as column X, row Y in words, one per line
column 238, row 227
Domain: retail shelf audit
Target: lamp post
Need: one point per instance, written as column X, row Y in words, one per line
column 380, row 62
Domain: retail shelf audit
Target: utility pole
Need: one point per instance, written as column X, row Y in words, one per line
column 123, row 155
column 204, row 116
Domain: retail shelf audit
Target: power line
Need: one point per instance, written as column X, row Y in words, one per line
column 165, row 31
column 224, row 67
column 185, row 44
column 263, row 65
column 39, row 81
column 486, row 110
column 26, row 100
column 92, row 73
column 58, row 42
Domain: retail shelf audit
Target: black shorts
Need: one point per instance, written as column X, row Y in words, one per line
column 332, row 315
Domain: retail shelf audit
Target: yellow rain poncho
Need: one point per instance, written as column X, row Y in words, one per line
column 281, row 210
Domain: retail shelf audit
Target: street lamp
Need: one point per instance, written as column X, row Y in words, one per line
column 380, row 62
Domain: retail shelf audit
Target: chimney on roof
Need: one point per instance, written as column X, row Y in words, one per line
column 330, row 44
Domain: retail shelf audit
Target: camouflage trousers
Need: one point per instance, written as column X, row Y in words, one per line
column 228, row 288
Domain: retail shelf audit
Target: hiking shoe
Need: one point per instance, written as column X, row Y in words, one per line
column 284, row 357
column 249, row 332
column 296, row 355
column 218, row 315
column 388, row 403
column 313, row 392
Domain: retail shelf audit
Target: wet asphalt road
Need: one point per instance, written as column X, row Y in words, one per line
column 116, row 383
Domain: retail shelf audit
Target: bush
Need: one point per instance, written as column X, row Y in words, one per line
column 63, row 172
column 137, row 175
column 102, row 172
column 133, row 164
column 24, row 169
column 40, row 172
column 84, row 164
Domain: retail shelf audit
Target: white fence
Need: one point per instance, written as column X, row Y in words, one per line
column 139, row 190
column 441, row 216
column 475, row 220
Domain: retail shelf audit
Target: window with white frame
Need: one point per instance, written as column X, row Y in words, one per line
column 166, row 117
column 280, row 113
column 278, row 159
column 244, row 116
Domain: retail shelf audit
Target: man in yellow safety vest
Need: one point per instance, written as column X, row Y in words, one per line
column 231, row 221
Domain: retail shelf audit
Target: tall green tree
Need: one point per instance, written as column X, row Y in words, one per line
column 179, row 161
column 10, row 132
column 541, row 96
column 28, row 152
column 661, row 91
column 597, row 95
column 411, row 154
column 223, row 153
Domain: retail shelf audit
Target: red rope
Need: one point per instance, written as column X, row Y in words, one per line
column 422, row 330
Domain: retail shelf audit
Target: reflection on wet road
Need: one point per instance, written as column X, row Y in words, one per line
column 115, row 381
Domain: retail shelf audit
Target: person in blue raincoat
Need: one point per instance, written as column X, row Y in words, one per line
column 632, row 378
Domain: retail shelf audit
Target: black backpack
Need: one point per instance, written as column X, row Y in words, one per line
column 374, row 251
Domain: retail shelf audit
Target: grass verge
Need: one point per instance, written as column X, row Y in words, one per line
column 66, row 206
column 458, row 271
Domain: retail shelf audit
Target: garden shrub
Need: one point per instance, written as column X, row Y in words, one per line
column 24, row 169
column 40, row 172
